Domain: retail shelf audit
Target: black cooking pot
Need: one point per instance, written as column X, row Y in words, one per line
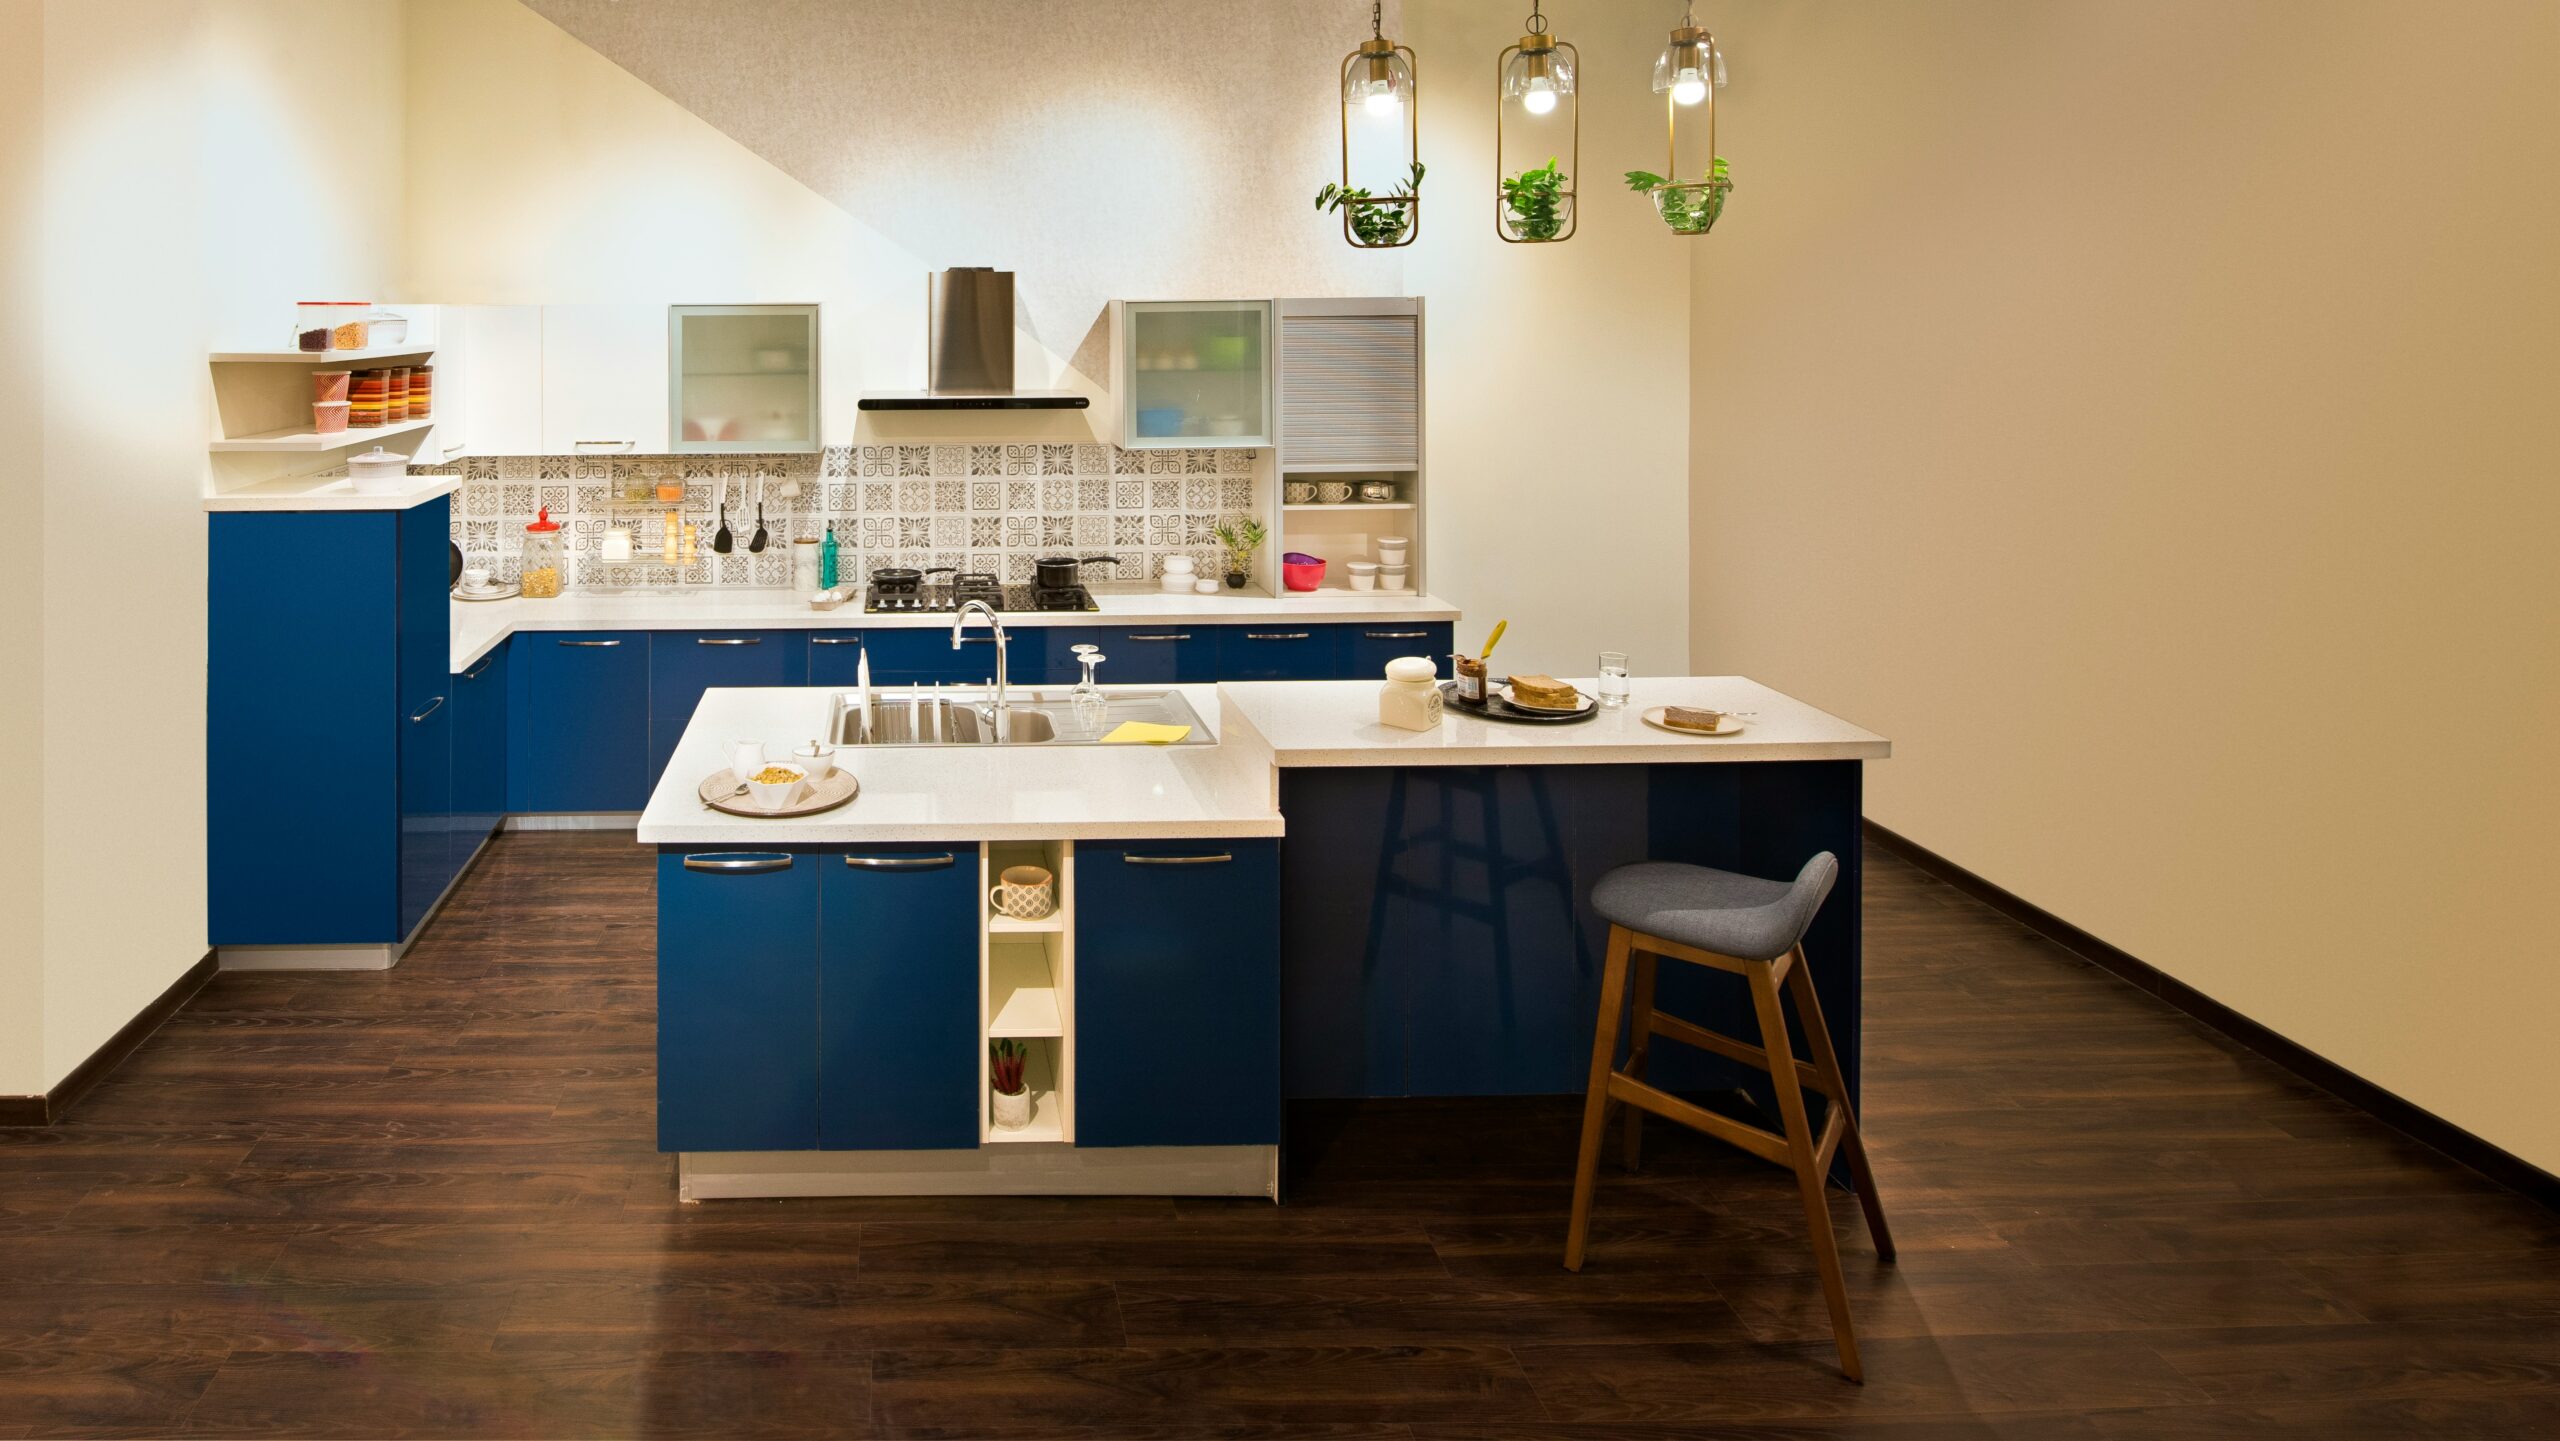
column 1058, row 572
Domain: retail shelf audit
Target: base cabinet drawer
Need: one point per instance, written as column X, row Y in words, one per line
column 1365, row 649
column 738, row 998
column 1170, row 654
column 578, row 721
column 1177, row 997
column 684, row 664
column 835, row 657
column 1276, row 651
column 926, row 656
column 898, row 998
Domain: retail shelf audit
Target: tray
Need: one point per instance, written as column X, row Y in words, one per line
column 1495, row 708
column 838, row 788
column 1654, row 718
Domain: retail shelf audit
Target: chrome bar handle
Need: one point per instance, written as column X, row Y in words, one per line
column 1398, row 634
column 588, row 642
column 1220, row 858
column 728, row 640
column 835, row 640
column 432, row 707
column 1275, row 635
column 741, row 864
column 1177, row 635
column 899, row 863
column 485, row 663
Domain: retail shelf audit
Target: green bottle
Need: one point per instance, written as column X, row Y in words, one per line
column 827, row 559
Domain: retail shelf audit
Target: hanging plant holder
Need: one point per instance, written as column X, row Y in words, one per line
column 1687, row 75
column 1535, row 85
column 1378, row 92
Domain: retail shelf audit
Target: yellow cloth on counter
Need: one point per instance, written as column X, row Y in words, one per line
column 1145, row 733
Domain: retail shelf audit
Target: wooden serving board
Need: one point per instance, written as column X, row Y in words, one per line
column 716, row 792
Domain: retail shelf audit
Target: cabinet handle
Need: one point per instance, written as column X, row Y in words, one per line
column 1275, row 635
column 430, row 710
column 1398, row 634
column 1178, row 635
column 728, row 640
column 746, row 864
column 617, row 444
column 899, row 863
column 485, row 663
column 590, row 642
column 1221, row 858
column 835, row 640
column 977, row 640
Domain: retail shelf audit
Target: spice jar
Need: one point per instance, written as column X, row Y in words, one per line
column 1410, row 700
column 395, row 396
column 368, row 393
column 422, row 382
column 539, row 576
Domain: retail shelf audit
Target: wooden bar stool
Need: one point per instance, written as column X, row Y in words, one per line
column 1754, row 929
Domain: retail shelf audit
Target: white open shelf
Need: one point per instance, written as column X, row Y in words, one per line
column 1022, row 992
column 304, row 438
column 1049, row 924
column 326, row 359
column 1048, row 1107
column 1318, row 507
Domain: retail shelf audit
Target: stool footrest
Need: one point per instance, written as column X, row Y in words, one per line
column 1767, row 1145
column 1690, row 1033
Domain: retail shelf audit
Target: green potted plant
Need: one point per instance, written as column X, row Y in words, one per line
column 1689, row 207
column 1371, row 221
column 1535, row 204
column 1012, row 1094
column 1242, row 537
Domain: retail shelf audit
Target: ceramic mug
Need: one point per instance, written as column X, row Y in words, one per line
column 1298, row 492
column 1025, row 893
column 1333, row 492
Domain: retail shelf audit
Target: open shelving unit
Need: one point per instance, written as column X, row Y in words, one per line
column 1350, row 406
column 306, row 440
column 1027, row 991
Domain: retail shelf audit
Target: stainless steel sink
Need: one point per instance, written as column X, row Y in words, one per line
column 964, row 716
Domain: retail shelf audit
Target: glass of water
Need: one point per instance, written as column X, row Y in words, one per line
column 1612, row 685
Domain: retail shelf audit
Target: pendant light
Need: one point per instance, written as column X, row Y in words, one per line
column 1381, row 107
column 1687, row 76
column 1536, row 94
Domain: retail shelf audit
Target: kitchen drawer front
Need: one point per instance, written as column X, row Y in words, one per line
column 738, row 999
column 1366, row 648
column 683, row 664
column 1133, row 655
column 1177, row 993
column 898, row 998
column 578, row 721
column 922, row 656
column 835, row 657
column 1276, row 650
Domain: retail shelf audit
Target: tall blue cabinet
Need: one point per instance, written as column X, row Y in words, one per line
column 331, row 718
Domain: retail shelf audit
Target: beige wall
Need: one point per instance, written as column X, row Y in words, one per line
column 2146, row 423
column 1165, row 148
column 22, row 497
column 195, row 182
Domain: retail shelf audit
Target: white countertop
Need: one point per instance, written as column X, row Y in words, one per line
column 478, row 626
column 328, row 492
column 1086, row 792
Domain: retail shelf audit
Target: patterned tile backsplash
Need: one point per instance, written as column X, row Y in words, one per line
column 976, row 507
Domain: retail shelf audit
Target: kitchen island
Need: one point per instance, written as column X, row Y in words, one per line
column 1314, row 905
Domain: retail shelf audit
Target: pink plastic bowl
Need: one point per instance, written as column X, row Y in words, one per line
column 1302, row 574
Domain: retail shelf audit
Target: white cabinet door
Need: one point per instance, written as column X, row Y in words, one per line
column 604, row 380
column 489, row 381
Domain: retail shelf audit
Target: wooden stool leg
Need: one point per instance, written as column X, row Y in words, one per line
column 1817, row 1039
column 1800, row 1146
column 1595, row 1105
column 1639, row 1041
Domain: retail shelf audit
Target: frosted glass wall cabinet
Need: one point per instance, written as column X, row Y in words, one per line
column 1192, row 373
column 742, row 378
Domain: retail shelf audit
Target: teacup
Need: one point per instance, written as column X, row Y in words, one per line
column 1026, row 893
column 475, row 577
column 818, row 760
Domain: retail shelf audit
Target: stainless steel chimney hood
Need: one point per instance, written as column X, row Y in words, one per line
column 969, row 346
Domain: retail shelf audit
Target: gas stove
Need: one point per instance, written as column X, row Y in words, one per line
column 1039, row 597
column 914, row 599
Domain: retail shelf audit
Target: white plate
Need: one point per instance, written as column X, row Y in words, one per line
column 495, row 592
column 1726, row 727
column 1518, row 704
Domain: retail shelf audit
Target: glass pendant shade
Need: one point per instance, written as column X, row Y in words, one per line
column 1687, row 66
column 1539, row 80
column 1689, row 198
column 1378, row 82
column 1537, row 128
column 1380, row 194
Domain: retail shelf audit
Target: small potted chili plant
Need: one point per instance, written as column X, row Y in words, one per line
column 1013, row 1095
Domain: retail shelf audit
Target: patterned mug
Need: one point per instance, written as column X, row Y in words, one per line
column 1026, row 893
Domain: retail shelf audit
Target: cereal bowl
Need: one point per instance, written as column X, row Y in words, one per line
column 776, row 785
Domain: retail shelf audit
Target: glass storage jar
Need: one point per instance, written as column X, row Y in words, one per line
column 539, row 576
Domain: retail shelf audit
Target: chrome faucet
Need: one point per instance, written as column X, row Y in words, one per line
column 998, row 718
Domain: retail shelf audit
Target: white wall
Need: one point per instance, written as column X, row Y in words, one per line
column 542, row 170
column 22, row 498
column 197, row 180
column 2147, row 425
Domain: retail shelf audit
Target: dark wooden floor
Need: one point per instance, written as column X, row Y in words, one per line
column 426, row 1203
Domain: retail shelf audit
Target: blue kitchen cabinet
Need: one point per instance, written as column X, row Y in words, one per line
column 578, row 722
column 1133, row 655
column 835, row 657
column 328, row 638
column 1178, row 993
column 898, row 998
column 479, row 750
column 738, row 998
column 684, row 664
column 1363, row 650
column 924, row 656
column 1277, row 651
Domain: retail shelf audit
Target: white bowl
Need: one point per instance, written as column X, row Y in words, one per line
column 1205, row 586
column 773, row 796
column 475, row 577
column 1177, row 584
column 819, row 763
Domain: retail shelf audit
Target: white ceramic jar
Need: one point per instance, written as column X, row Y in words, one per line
column 1410, row 700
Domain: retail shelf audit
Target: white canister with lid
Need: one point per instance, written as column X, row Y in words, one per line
column 1410, row 700
column 1178, row 576
column 378, row 471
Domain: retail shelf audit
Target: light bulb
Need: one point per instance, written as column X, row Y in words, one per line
column 1541, row 97
column 1381, row 102
column 1688, row 89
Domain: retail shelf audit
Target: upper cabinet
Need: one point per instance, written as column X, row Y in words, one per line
column 1193, row 373
column 604, row 380
column 1350, row 385
column 493, row 406
column 743, row 377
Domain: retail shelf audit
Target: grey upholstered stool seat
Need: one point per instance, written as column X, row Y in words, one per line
column 1743, row 926
column 1716, row 910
